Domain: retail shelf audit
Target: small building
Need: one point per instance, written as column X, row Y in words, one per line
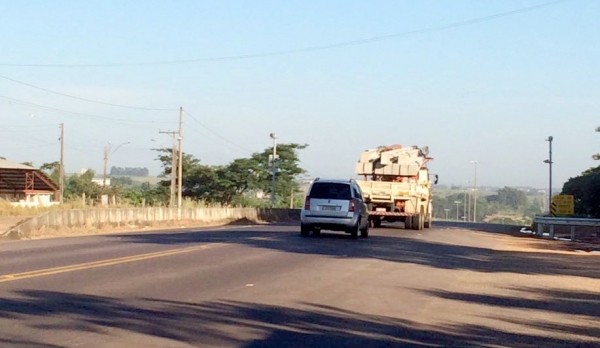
column 26, row 186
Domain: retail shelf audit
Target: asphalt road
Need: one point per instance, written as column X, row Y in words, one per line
column 265, row 286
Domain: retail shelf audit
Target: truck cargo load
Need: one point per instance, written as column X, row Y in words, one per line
column 396, row 185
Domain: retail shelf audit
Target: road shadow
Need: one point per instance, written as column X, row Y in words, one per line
column 25, row 343
column 241, row 324
column 403, row 247
column 581, row 303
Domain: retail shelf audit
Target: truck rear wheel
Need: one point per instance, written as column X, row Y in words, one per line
column 429, row 221
column 408, row 223
column 418, row 222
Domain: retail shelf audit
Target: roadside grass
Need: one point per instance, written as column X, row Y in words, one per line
column 7, row 209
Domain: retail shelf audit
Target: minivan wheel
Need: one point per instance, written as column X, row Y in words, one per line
column 354, row 230
column 304, row 230
column 364, row 233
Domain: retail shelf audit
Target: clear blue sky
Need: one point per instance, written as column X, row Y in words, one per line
column 490, row 91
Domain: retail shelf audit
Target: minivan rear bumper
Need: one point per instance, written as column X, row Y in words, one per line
column 328, row 222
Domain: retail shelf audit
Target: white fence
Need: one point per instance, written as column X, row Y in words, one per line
column 93, row 218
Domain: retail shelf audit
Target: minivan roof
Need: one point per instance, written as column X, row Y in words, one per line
column 341, row 181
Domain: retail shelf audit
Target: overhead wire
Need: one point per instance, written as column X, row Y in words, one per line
column 237, row 148
column 245, row 151
column 299, row 50
column 22, row 148
column 83, row 99
column 63, row 111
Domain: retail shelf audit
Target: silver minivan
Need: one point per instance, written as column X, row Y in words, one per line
column 335, row 205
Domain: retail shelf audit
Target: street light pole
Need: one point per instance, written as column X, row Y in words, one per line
column 273, row 168
column 107, row 154
column 467, row 200
column 475, row 193
column 549, row 161
column 457, row 204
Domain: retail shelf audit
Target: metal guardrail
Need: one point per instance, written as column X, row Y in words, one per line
column 540, row 222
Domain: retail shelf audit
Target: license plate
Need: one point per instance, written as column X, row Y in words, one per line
column 329, row 207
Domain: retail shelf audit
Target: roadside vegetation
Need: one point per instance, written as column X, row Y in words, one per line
column 244, row 182
column 508, row 205
column 586, row 190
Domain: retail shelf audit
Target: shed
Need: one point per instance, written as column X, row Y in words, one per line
column 21, row 182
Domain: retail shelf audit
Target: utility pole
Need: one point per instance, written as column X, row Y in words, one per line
column 549, row 161
column 273, row 169
column 475, row 193
column 180, row 160
column 61, row 169
column 174, row 168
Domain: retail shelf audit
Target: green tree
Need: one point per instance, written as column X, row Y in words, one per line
column 52, row 170
column 230, row 184
column 121, row 181
column 585, row 189
column 288, row 169
column 509, row 197
column 77, row 185
column 202, row 183
column 165, row 157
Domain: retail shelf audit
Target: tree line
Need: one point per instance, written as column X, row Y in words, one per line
column 129, row 171
column 508, row 201
column 586, row 191
column 238, row 183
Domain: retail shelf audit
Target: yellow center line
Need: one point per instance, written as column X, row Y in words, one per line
column 96, row 264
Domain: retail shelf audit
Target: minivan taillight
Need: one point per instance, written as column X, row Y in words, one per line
column 307, row 203
column 352, row 206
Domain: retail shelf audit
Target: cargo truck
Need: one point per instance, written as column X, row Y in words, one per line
column 397, row 185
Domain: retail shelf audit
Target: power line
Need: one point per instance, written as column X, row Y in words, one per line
column 244, row 150
column 23, row 148
column 10, row 131
column 63, row 111
column 27, row 128
column 297, row 50
column 83, row 99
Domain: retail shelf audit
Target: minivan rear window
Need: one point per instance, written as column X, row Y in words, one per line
column 329, row 190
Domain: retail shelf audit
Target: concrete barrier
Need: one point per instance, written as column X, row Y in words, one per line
column 99, row 218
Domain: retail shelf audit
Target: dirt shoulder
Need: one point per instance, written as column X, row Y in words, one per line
column 517, row 241
column 6, row 222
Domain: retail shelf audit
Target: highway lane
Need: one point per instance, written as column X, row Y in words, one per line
column 265, row 286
